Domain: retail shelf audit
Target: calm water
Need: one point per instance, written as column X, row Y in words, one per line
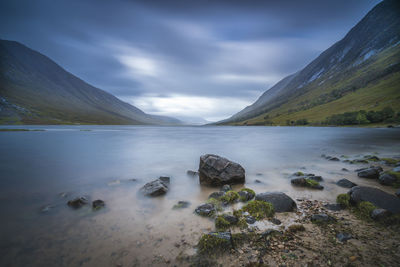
column 47, row 168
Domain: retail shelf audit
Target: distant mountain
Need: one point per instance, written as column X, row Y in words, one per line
column 35, row 90
column 360, row 72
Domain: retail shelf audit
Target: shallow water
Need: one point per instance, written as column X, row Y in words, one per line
column 47, row 168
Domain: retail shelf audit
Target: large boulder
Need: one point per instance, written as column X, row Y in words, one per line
column 157, row 187
column 280, row 201
column 376, row 196
column 216, row 171
column 387, row 179
column 370, row 173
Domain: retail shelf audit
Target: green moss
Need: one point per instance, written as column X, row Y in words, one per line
column 239, row 238
column 365, row 208
column 343, row 199
column 390, row 161
column 242, row 223
column 221, row 224
column 212, row 244
column 217, row 203
column 311, row 183
column 298, row 174
column 249, row 191
column 230, row 197
column 237, row 213
column 259, row 209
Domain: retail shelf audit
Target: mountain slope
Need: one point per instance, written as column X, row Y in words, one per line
column 361, row 71
column 35, row 90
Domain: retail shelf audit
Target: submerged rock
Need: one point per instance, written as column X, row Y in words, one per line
column 345, row 170
column 98, row 204
column 216, row 171
column 333, row 207
column 157, row 187
column 206, row 210
column 77, row 202
column 345, row 183
column 376, row 196
column 306, row 182
column 191, row 173
column 181, row 205
column 334, row 159
column 280, row 201
column 370, row 173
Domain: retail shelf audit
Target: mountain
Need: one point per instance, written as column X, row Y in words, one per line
column 36, row 90
column 360, row 72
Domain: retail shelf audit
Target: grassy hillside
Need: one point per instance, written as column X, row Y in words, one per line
column 371, row 85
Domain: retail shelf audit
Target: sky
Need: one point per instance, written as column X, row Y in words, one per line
column 187, row 59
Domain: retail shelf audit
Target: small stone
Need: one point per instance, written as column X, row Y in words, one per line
column 257, row 181
column 379, row 214
column 226, row 188
column 250, row 219
column 352, row 258
column 191, row 173
column 77, row 202
column 343, row 237
column 98, row 204
column 275, row 221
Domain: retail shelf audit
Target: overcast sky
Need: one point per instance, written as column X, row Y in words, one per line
column 199, row 58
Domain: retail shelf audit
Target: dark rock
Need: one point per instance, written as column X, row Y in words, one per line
column 230, row 218
column 98, row 204
column 259, row 174
column 379, row 214
column 345, row 183
column 363, row 161
column 181, row 205
column 216, row 195
column 315, row 178
column 387, row 179
column 334, row 159
column 322, row 218
column 257, row 181
column 343, row 237
column 361, row 169
column 250, row 219
column 245, row 195
column 397, row 193
column 280, row 201
column 191, row 173
column 275, row 221
column 376, row 196
column 215, row 171
column 370, row 173
column 302, row 182
column 157, row 187
column 206, row 210
column 226, row 188
column 77, row 202
column 345, row 170
column 333, row 207
column 372, row 157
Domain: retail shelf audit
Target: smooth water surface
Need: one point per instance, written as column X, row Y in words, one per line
column 41, row 170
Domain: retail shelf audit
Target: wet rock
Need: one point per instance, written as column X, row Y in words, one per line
column 181, row 205
column 230, row 218
column 306, row 182
column 316, row 178
column 250, row 219
column 345, row 183
column 387, row 179
column 275, row 221
column 215, row 171
column 226, row 188
column 370, row 173
column 257, row 181
column 77, row 202
column 333, row 207
column 334, row 159
column 345, row 170
column 206, row 210
column 379, row 214
column 280, row 201
column 372, row 157
column 215, row 242
column 216, row 195
column 246, row 195
column 376, row 196
column 157, row 187
column 322, row 218
column 343, row 237
column 397, row 193
column 191, row 173
column 98, row 204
